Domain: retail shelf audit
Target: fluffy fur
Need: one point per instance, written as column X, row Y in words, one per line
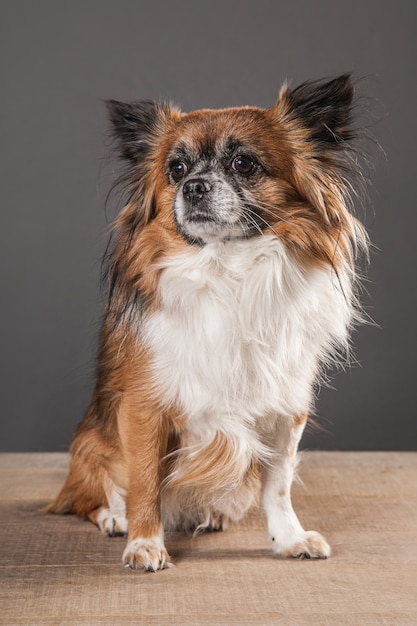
column 231, row 284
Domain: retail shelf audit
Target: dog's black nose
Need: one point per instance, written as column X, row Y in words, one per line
column 195, row 188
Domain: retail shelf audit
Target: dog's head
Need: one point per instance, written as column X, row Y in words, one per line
column 216, row 175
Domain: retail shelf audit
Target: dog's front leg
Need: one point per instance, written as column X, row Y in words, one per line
column 144, row 441
column 289, row 537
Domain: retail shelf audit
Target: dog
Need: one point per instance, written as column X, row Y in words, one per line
column 232, row 284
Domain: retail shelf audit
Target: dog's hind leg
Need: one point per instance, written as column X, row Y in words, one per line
column 88, row 485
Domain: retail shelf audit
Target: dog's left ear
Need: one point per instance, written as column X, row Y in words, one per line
column 324, row 109
column 318, row 120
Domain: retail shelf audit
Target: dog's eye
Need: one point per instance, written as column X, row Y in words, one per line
column 178, row 170
column 243, row 165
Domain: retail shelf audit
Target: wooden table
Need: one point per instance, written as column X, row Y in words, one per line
column 59, row 570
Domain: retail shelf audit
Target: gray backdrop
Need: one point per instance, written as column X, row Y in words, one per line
column 59, row 60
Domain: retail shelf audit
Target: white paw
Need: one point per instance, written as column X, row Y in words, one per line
column 305, row 545
column 148, row 554
column 111, row 524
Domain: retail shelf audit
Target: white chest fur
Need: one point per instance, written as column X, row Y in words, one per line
column 242, row 330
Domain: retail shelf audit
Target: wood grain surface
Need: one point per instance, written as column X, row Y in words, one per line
column 59, row 570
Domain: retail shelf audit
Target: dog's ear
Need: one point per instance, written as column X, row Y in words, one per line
column 135, row 126
column 318, row 119
column 324, row 108
column 137, row 129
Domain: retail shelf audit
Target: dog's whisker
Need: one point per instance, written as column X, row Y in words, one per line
column 262, row 207
column 251, row 212
column 248, row 214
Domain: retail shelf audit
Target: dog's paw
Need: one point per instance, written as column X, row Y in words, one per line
column 308, row 545
column 148, row 554
column 111, row 524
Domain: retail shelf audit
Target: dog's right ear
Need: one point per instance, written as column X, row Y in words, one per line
column 135, row 126
column 138, row 128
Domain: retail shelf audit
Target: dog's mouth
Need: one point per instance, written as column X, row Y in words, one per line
column 201, row 217
column 204, row 227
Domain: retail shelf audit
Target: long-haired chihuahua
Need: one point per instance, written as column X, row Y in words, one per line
column 232, row 284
